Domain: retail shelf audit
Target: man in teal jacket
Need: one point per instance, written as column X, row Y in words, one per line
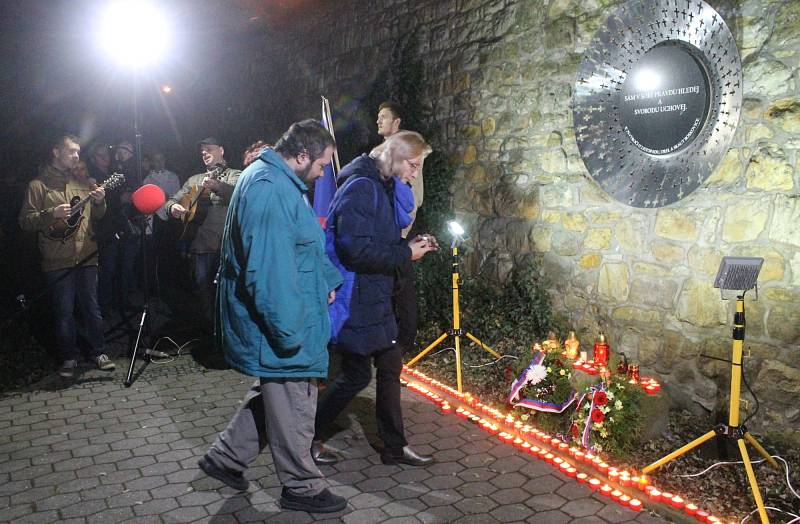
column 275, row 283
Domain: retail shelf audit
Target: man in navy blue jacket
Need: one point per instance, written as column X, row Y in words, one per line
column 367, row 242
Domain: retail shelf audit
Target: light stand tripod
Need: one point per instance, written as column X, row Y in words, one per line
column 456, row 332
column 735, row 273
column 144, row 325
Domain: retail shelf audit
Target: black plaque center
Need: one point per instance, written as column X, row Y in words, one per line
column 665, row 100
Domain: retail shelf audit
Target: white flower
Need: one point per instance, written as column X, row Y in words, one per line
column 610, row 394
column 535, row 374
column 562, row 372
column 618, row 405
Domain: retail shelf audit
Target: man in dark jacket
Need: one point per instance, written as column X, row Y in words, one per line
column 216, row 185
column 367, row 241
column 275, row 284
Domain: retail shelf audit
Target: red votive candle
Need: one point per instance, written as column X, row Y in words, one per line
column 446, row 408
column 711, row 519
column 526, row 447
column 613, row 475
column 635, row 504
column 677, row 502
column 581, row 477
column 655, row 495
column 616, row 494
column 594, row 484
column 602, row 467
column 625, row 500
column 549, row 457
column 579, row 455
column 518, row 442
column 534, row 450
column 690, row 509
column 558, row 461
column 571, row 472
column 701, row 515
column 666, row 496
column 625, row 480
column 606, row 490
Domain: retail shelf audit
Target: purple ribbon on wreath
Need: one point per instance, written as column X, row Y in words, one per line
column 531, row 403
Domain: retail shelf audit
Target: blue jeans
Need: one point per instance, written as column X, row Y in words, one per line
column 67, row 285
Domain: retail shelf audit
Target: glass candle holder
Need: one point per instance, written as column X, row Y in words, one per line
column 571, row 346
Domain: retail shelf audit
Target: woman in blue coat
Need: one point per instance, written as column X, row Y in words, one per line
column 365, row 223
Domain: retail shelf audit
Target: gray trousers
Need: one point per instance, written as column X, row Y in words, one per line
column 279, row 412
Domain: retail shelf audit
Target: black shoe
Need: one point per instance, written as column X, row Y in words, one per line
column 230, row 478
column 322, row 457
column 322, row 502
column 408, row 456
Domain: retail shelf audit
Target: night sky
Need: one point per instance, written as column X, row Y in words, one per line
column 56, row 77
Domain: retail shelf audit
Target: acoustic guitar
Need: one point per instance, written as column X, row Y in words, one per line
column 197, row 203
column 64, row 228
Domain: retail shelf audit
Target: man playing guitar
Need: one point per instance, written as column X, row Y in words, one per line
column 69, row 262
column 209, row 192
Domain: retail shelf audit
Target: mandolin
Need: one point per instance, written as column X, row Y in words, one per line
column 64, row 228
column 197, row 202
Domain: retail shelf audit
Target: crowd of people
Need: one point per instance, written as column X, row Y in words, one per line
column 280, row 290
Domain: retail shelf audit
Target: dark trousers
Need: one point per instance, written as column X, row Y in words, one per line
column 205, row 271
column 67, row 286
column 118, row 276
column 405, row 308
column 354, row 376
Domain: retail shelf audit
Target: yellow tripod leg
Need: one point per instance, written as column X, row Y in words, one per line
column 753, row 442
column 678, row 452
column 483, row 346
column 458, row 362
column 751, row 477
column 427, row 349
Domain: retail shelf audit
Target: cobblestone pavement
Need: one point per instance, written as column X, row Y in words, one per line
column 95, row 451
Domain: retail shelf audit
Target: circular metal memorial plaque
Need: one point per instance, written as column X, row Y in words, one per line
column 657, row 100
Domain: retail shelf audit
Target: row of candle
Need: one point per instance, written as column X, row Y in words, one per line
column 624, row 478
column 589, row 367
column 650, row 385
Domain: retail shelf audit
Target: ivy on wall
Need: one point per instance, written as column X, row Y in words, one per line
column 510, row 315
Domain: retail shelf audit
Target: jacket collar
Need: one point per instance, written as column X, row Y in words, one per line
column 275, row 160
column 49, row 170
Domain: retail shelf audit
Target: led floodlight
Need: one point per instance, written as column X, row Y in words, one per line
column 134, row 33
column 738, row 273
column 455, row 228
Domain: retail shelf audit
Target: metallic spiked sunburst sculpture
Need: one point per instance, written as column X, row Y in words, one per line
column 657, row 100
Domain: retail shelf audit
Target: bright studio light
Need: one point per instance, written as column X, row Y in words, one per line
column 455, row 229
column 134, row 33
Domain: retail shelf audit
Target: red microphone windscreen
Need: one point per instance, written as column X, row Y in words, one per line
column 148, row 198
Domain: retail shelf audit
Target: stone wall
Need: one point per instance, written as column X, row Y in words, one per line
column 498, row 81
